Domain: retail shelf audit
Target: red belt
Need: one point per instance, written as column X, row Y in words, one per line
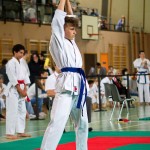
column 28, row 99
column 22, row 82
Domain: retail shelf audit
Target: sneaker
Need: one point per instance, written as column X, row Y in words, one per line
column 31, row 116
column 42, row 115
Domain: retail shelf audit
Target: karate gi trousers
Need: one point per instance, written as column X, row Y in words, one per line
column 64, row 104
column 15, row 113
column 143, row 90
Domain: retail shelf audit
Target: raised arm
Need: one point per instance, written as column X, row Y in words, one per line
column 68, row 8
column 61, row 5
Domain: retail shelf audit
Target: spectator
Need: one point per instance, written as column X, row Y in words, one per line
column 23, row 60
column 93, row 94
column 124, row 78
column 121, row 24
column 32, row 95
column 117, row 81
column 3, row 71
column 112, row 69
column 102, row 70
column 35, row 67
column 31, row 14
column 93, row 13
column 133, row 86
column 2, row 89
column 84, row 12
column 91, row 71
column 42, row 58
column 103, row 24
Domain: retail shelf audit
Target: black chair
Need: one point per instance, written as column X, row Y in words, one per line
column 107, row 90
column 111, row 88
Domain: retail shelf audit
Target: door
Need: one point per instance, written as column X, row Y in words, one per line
column 104, row 60
column 89, row 61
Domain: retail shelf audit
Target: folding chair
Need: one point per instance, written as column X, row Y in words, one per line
column 117, row 98
column 107, row 90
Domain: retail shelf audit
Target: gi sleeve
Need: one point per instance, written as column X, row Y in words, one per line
column 58, row 34
column 137, row 64
column 10, row 71
column 148, row 65
column 50, row 84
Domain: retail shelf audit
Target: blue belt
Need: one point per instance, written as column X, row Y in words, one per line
column 142, row 73
column 82, row 85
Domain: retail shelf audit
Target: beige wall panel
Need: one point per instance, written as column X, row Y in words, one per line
column 91, row 4
column 136, row 13
column 119, row 8
column 19, row 33
column 147, row 45
column 105, row 38
column 109, row 8
column 147, row 16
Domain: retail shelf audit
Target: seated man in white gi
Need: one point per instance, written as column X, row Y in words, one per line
column 93, row 93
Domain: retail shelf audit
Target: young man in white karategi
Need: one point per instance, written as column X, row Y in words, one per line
column 15, row 95
column 71, row 84
column 93, row 94
column 143, row 67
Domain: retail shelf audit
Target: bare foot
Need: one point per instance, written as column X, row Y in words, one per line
column 23, row 135
column 11, row 137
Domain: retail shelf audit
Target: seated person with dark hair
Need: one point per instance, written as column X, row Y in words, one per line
column 117, row 81
column 121, row 89
column 2, row 99
column 41, row 94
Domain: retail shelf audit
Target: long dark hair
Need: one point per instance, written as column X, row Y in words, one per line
column 31, row 58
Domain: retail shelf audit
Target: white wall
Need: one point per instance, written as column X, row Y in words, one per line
column 119, row 8
column 136, row 13
column 147, row 16
column 91, row 4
